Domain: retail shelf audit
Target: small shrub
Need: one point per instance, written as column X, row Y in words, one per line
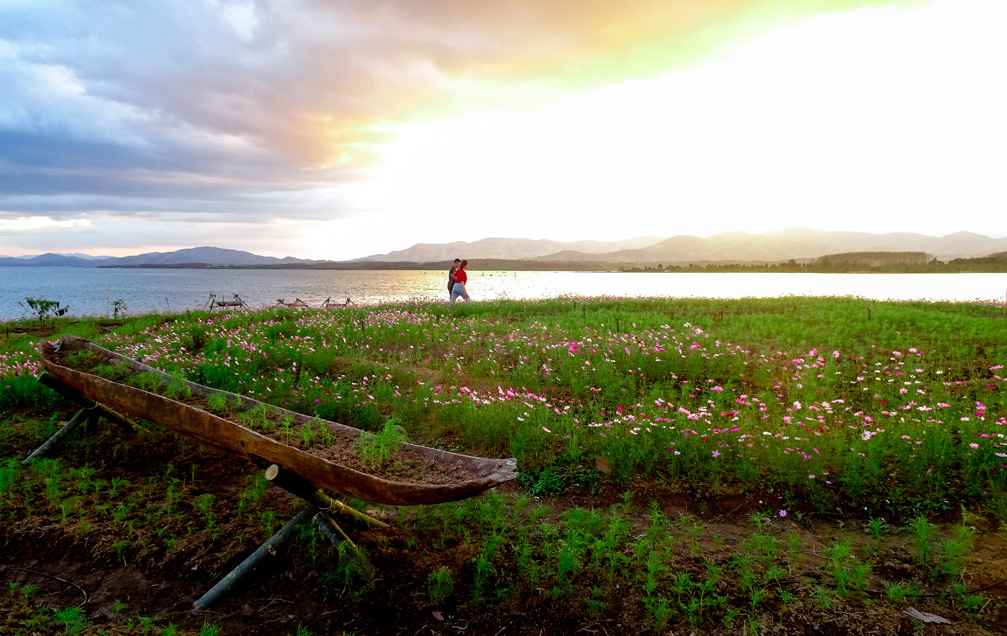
column 377, row 449
column 218, row 403
column 44, row 309
column 81, row 358
column 258, row 417
column 146, row 381
column 546, row 482
column 177, row 388
column 440, row 585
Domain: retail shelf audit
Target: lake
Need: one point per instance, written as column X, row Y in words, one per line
column 94, row 291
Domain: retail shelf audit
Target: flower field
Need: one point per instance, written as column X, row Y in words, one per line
column 796, row 410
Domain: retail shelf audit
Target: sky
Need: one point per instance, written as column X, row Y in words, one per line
column 335, row 129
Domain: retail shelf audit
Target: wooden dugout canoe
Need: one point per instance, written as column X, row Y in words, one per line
column 478, row 474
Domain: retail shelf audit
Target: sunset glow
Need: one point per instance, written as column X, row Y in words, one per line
column 539, row 123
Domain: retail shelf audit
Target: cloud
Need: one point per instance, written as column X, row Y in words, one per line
column 256, row 112
column 793, row 127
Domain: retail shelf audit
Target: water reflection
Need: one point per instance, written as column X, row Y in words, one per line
column 94, row 291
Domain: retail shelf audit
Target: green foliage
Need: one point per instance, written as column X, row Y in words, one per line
column 146, row 381
column 44, row 309
column 545, row 482
column 119, row 308
column 696, row 398
column 955, row 548
column 849, row 573
column 378, row 449
column 8, row 473
column 440, row 585
column 82, row 358
column 218, row 402
column 24, row 391
column 177, row 388
column 209, row 629
column 923, row 532
column 116, row 372
column 258, row 417
column 897, row 592
column 73, row 619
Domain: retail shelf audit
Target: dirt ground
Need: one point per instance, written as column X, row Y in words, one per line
column 295, row 590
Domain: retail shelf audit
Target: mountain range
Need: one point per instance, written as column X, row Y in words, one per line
column 728, row 247
column 194, row 256
column 799, row 244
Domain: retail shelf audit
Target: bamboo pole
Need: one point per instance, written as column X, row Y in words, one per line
column 82, row 416
column 253, row 560
column 335, row 534
column 304, row 489
column 74, row 396
column 331, row 530
column 63, row 389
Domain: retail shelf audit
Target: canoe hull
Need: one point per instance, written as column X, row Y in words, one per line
column 481, row 473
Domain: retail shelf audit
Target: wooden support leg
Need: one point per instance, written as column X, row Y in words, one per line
column 61, row 388
column 57, row 437
column 331, row 530
column 253, row 560
column 328, row 527
column 71, row 394
column 301, row 487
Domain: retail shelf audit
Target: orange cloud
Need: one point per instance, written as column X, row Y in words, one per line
column 394, row 61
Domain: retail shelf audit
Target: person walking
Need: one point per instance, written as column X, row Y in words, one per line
column 459, row 287
column 451, row 275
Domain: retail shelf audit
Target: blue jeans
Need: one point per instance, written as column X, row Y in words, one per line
column 459, row 290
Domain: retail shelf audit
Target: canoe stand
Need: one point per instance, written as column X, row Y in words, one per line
column 319, row 503
column 225, row 304
column 326, row 304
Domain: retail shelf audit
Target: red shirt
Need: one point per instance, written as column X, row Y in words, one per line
column 461, row 277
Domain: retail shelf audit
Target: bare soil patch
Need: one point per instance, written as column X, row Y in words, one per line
column 296, row 589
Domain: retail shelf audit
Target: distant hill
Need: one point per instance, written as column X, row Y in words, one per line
column 503, row 248
column 799, row 244
column 943, row 248
column 734, row 246
column 211, row 255
column 204, row 256
column 49, row 260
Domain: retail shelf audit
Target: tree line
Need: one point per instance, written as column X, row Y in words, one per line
column 851, row 262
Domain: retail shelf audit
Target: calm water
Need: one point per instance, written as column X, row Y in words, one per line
column 88, row 291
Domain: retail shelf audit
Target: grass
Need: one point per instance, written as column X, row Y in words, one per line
column 891, row 414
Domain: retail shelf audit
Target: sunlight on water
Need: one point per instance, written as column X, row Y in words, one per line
column 88, row 291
